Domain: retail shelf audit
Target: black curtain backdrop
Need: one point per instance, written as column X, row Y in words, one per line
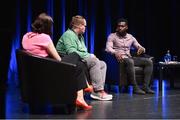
column 7, row 30
column 154, row 23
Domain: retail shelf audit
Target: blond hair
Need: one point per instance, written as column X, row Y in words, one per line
column 76, row 21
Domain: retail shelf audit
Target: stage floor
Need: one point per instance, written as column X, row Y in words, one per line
column 164, row 104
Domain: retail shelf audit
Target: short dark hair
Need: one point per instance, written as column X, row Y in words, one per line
column 42, row 24
column 122, row 20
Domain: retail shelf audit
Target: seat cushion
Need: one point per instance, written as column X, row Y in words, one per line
column 139, row 69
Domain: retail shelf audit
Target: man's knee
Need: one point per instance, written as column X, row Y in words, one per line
column 92, row 62
column 149, row 62
column 103, row 64
column 129, row 62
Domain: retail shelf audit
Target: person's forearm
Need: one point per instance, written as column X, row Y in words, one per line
column 52, row 51
column 110, row 50
column 80, row 53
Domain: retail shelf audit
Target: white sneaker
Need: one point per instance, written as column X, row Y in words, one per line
column 101, row 95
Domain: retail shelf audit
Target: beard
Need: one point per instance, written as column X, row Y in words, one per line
column 122, row 34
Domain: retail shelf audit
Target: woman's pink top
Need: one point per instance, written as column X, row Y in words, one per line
column 36, row 43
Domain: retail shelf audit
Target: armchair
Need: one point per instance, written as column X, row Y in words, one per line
column 124, row 81
column 116, row 72
column 45, row 80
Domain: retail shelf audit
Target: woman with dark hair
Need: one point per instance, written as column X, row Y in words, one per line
column 38, row 42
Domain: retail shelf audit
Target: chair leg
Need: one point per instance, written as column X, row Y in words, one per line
column 126, row 88
column 120, row 88
column 123, row 89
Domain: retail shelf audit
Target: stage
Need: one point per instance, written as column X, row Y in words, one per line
column 162, row 105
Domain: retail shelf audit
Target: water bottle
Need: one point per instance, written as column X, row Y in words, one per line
column 167, row 57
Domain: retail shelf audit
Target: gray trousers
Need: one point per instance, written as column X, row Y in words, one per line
column 139, row 61
column 97, row 71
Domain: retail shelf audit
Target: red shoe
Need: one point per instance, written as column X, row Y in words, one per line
column 83, row 106
column 88, row 89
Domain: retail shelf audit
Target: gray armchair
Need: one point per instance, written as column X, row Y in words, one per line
column 124, row 81
column 116, row 72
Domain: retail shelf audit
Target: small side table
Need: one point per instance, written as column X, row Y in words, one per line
column 162, row 67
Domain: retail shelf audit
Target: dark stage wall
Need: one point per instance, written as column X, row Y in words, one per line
column 7, row 30
column 154, row 24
